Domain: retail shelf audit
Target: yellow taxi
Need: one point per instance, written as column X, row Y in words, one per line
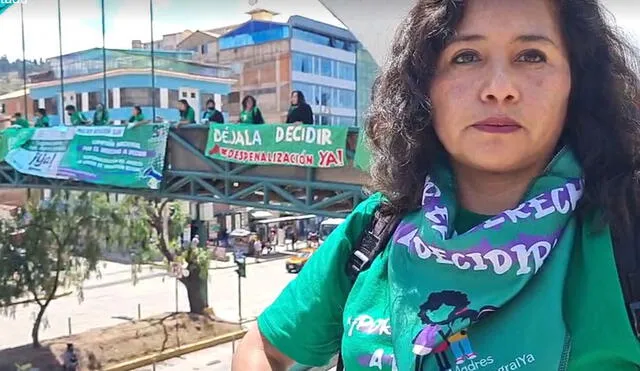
column 295, row 263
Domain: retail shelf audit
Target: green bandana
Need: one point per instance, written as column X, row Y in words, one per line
column 479, row 300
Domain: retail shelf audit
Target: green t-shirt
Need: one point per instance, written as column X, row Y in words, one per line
column 22, row 122
column 101, row 119
column 307, row 322
column 136, row 118
column 42, row 122
column 251, row 117
column 78, row 118
column 189, row 116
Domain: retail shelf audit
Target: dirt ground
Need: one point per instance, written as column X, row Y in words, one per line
column 103, row 347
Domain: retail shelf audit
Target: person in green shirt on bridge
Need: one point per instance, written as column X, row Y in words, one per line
column 101, row 116
column 187, row 114
column 250, row 114
column 77, row 118
column 42, row 120
column 137, row 118
column 18, row 120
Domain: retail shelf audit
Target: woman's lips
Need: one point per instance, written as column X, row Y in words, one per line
column 498, row 125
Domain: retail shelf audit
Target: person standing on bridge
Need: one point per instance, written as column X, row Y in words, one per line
column 77, row 117
column 250, row 114
column 187, row 114
column 137, row 118
column 42, row 120
column 18, row 120
column 101, row 116
column 504, row 138
column 300, row 111
column 212, row 115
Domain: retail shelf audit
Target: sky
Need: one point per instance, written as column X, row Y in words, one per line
column 127, row 20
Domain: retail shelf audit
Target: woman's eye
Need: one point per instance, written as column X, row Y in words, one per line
column 465, row 57
column 531, row 56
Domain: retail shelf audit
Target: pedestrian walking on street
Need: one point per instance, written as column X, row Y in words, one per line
column 503, row 227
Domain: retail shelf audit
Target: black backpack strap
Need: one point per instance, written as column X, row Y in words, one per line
column 372, row 242
column 626, row 250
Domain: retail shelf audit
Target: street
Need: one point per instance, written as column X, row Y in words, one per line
column 113, row 299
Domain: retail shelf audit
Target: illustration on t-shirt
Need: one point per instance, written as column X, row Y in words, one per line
column 443, row 312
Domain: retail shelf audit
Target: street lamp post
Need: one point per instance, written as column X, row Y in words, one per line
column 240, row 260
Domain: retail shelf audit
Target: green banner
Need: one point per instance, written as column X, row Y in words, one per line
column 108, row 155
column 4, row 5
column 12, row 138
column 278, row 144
column 362, row 158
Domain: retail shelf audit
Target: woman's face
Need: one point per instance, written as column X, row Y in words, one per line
column 501, row 88
column 249, row 104
column 294, row 98
column 182, row 106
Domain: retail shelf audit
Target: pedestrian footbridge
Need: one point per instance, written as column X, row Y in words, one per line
column 190, row 175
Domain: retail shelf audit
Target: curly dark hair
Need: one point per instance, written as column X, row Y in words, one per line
column 602, row 124
column 456, row 299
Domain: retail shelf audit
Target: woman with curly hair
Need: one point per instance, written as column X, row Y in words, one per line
column 505, row 135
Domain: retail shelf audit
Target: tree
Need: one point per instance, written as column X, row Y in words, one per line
column 55, row 243
column 167, row 222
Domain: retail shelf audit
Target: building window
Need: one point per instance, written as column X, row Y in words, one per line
column 311, row 37
column 234, row 97
column 78, row 104
column 332, row 42
column 130, row 97
column 174, row 95
column 204, row 49
column 325, row 96
column 51, row 106
column 346, row 98
column 306, row 89
column 350, row 47
column 346, row 71
column 3, row 109
column 344, row 121
column 302, row 63
column 95, row 98
column 325, row 67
